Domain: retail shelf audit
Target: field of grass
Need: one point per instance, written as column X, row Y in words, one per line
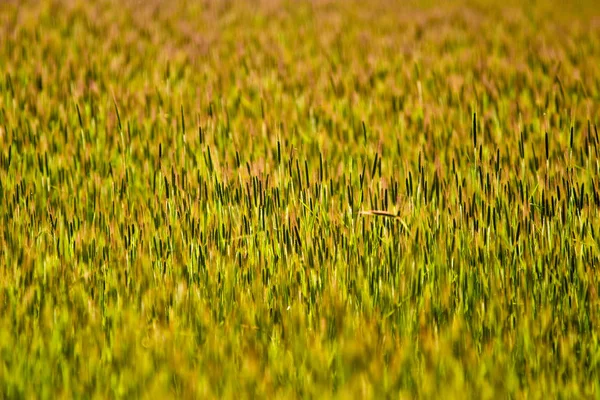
column 290, row 199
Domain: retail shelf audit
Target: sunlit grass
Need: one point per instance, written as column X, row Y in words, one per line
column 299, row 199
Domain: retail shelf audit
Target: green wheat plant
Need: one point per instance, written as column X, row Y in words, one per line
column 299, row 199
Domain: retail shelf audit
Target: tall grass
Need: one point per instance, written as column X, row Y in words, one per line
column 299, row 199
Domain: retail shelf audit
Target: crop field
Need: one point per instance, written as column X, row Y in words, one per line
column 299, row 199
